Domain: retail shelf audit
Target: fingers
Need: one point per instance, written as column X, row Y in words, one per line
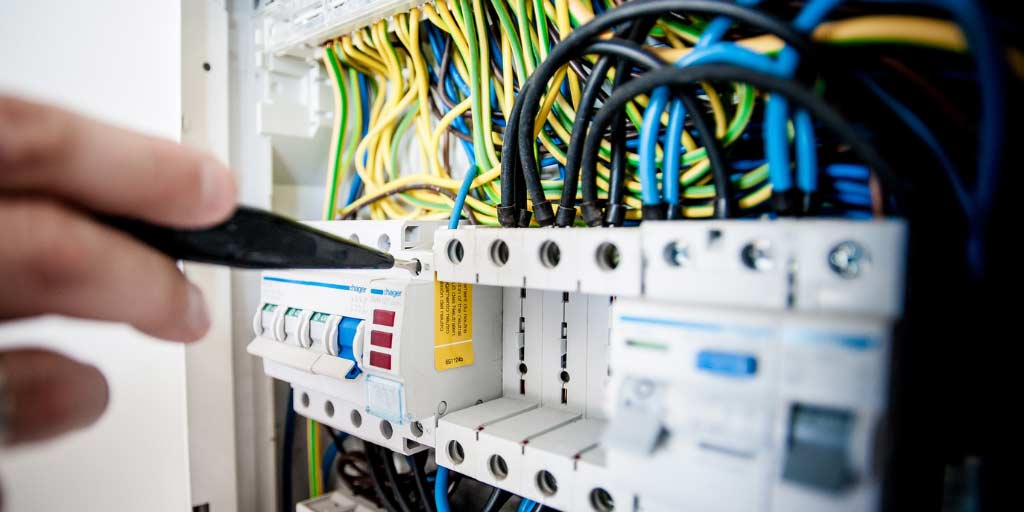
column 46, row 394
column 50, row 151
column 56, row 260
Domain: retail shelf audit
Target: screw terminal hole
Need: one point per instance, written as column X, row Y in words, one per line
column 601, row 500
column 499, row 253
column 356, row 418
column 455, row 251
column 550, row 254
column 608, row 256
column 498, row 467
column 456, row 453
column 386, row 429
column 547, row 483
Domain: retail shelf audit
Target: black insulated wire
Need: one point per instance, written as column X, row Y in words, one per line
column 379, row 478
column 387, row 458
column 614, row 47
column 508, row 210
column 572, row 45
column 716, row 157
column 797, row 93
column 496, row 500
column 418, row 463
column 615, row 215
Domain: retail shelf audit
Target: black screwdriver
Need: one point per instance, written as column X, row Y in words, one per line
column 258, row 239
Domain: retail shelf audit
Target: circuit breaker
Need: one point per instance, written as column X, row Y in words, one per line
column 379, row 354
column 727, row 403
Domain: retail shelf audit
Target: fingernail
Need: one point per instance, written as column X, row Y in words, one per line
column 217, row 189
column 197, row 316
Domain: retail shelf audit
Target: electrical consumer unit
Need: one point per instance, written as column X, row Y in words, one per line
column 656, row 398
column 663, row 243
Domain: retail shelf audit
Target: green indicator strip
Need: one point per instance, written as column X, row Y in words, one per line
column 648, row 345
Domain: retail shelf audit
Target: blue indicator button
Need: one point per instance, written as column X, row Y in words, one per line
column 348, row 329
column 729, row 364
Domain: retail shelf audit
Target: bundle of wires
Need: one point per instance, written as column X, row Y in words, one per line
column 651, row 109
column 588, row 113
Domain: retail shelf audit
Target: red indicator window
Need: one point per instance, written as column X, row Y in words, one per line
column 384, row 317
column 380, row 339
column 380, row 360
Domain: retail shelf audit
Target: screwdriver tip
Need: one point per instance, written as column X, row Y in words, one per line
column 413, row 266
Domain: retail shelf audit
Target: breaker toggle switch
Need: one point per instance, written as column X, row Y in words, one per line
column 265, row 318
column 294, row 328
column 317, row 330
column 343, row 338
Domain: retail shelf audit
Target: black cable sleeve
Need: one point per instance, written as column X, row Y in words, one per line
column 614, row 47
column 797, row 93
column 571, row 46
column 584, row 113
column 616, row 212
column 507, row 212
column 716, row 156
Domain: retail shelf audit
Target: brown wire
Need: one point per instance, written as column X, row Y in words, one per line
column 927, row 87
column 416, row 186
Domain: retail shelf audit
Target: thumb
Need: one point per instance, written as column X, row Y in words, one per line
column 44, row 394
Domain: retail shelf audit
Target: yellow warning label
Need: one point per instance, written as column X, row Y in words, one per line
column 453, row 325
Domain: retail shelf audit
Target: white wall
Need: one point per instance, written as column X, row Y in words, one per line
column 120, row 61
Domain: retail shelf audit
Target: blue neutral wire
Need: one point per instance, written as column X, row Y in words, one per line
column 441, row 490
column 713, row 54
column 460, row 200
column 673, row 152
column 671, row 140
column 776, row 137
column 850, row 171
column 357, row 182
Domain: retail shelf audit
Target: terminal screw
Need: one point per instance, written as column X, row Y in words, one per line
column 848, row 259
column 757, row 255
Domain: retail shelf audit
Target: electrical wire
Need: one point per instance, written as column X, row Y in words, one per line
column 380, row 480
column 496, row 500
column 313, row 457
column 824, row 113
column 441, row 490
column 719, row 165
column 418, row 463
column 516, row 86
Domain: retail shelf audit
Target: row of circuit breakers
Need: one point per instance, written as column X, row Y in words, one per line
column 714, row 366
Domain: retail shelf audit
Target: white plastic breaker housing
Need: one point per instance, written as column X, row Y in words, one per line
column 358, row 347
column 754, row 374
column 288, row 24
column 719, row 366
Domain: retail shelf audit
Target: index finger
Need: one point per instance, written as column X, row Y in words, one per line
column 48, row 151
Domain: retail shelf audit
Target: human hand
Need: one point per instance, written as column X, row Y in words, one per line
column 57, row 170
